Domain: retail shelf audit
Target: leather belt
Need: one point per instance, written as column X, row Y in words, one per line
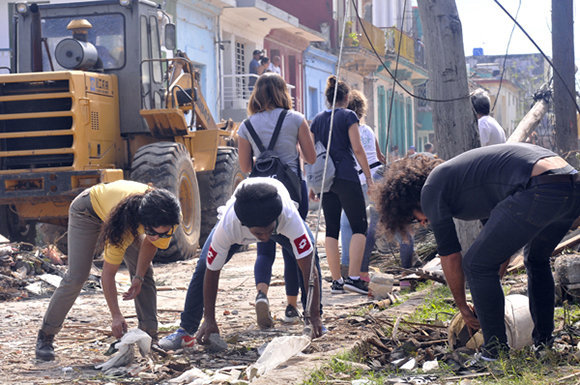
column 371, row 166
column 551, row 179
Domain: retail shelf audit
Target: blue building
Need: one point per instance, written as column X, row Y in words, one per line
column 197, row 32
column 318, row 65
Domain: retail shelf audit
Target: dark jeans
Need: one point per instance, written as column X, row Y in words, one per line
column 537, row 218
column 193, row 309
column 267, row 256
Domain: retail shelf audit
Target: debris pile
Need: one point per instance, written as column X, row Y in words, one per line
column 28, row 271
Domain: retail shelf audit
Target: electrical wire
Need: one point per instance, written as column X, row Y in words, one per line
column 393, row 76
column 543, row 54
column 394, row 84
column 326, row 160
column 505, row 58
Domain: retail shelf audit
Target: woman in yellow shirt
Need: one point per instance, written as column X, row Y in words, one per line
column 132, row 220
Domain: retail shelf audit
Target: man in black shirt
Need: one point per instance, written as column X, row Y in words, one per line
column 527, row 195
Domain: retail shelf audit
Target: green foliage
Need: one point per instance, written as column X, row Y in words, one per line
column 438, row 304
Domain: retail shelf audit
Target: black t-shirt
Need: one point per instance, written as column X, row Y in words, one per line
column 471, row 184
column 340, row 148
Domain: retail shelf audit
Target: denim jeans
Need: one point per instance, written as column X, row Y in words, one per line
column 193, row 309
column 346, row 231
column 537, row 218
column 267, row 256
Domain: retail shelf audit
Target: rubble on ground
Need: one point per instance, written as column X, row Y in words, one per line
column 28, row 271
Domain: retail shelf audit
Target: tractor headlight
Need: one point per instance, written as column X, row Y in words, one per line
column 22, row 8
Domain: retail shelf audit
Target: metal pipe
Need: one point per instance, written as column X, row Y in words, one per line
column 36, row 38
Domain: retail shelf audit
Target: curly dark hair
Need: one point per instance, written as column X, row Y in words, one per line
column 398, row 194
column 153, row 208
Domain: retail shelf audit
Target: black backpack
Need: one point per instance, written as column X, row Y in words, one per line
column 268, row 164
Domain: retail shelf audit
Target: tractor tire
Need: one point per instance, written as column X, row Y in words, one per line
column 15, row 230
column 217, row 186
column 168, row 165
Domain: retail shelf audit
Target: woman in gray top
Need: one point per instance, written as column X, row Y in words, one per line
column 269, row 98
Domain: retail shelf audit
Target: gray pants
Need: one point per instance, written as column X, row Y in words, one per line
column 84, row 227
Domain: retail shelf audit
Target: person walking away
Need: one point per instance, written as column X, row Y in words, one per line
column 375, row 158
column 346, row 192
column 133, row 220
column 490, row 131
column 267, row 102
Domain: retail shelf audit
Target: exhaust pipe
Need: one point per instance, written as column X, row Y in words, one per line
column 36, row 41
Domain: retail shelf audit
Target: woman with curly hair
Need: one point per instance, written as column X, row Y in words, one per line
column 346, row 191
column 375, row 158
column 133, row 220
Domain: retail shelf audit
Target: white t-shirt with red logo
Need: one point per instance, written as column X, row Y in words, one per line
column 229, row 230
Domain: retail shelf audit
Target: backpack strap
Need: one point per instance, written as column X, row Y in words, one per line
column 277, row 129
column 254, row 135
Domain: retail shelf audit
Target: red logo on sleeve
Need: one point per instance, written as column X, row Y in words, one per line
column 211, row 254
column 302, row 243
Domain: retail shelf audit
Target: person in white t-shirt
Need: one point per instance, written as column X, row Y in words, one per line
column 375, row 158
column 259, row 210
column 275, row 65
column 490, row 131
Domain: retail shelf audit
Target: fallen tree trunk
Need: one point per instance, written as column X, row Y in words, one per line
column 530, row 121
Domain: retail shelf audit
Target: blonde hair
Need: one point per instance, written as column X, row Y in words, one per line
column 357, row 103
column 270, row 91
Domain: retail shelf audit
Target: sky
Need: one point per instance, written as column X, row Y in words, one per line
column 485, row 25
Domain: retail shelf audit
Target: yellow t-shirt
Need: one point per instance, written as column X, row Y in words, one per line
column 104, row 198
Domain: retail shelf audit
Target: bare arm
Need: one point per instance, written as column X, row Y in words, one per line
column 380, row 154
column 359, row 152
column 304, row 265
column 453, row 270
column 118, row 325
column 210, row 288
column 306, row 142
column 245, row 155
column 147, row 251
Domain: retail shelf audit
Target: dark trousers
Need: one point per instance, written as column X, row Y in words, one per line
column 193, row 309
column 537, row 218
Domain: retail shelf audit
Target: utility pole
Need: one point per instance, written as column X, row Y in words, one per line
column 454, row 121
column 564, row 85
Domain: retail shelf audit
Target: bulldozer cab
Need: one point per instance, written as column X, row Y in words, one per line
column 121, row 35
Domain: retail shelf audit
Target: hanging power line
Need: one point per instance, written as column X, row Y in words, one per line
column 543, row 54
column 391, row 74
column 505, row 58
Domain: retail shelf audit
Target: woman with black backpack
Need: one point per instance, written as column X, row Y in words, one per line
column 270, row 106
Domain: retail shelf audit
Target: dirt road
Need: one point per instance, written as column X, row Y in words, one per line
column 85, row 336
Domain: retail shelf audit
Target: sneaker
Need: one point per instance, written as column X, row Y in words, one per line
column 291, row 315
column 263, row 316
column 44, row 348
column 337, row 287
column 356, row 285
column 541, row 349
column 177, row 340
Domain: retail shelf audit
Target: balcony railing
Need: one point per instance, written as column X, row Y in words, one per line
column 407, row 45
column 384, row 41
column 237, row 90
